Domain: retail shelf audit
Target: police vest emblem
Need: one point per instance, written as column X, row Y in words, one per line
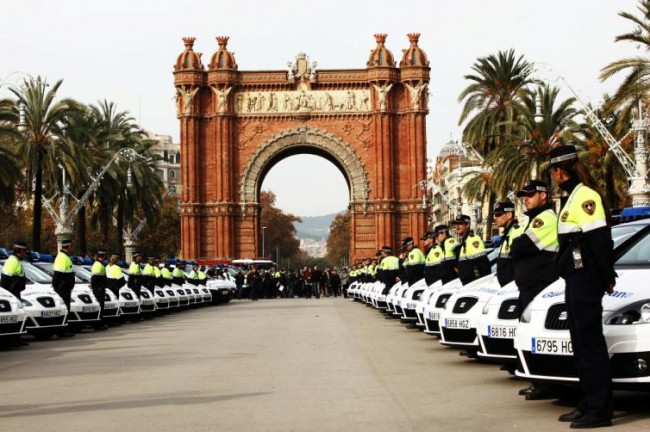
column 436, row 254
column 589, row 207
column 475, row 244
column 564, row 216
column 538, row 223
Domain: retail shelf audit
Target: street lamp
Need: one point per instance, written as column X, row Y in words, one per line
column 263, row 242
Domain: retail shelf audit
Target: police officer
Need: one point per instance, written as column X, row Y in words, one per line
column 203, row 277
column 166, row 274
column 389, row 268
column 472, row 262
column 160, row 281
column 178, row 275
column 413, row 262
column 149, row 275
column 586, row 262
column 63, row 278
column 13, row 275
column 533, row 253
column 114, row 276
column 98, row 283
column 433, row 257
column 447, row 270
column 504, row 217
column 135, row 274
column 193, row 277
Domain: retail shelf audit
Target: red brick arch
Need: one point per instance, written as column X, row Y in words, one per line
column 235, row 125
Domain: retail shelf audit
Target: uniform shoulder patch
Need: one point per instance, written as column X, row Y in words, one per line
column 436, row 254
column 564, row 216
column 476, row 243
column 452, row 241
column 589, row 207
column 537, row 222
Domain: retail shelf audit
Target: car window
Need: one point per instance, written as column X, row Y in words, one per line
column 49, row 269
column 36, row 275
column 638, row 254
column 620, row 233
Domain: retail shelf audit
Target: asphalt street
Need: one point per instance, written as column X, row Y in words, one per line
column 272, row 365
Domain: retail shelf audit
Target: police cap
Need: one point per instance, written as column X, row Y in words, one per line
column 461, row 219
column 532, row 187
column 563, row 153
column 441, row 228
column 428, row 235
column 503, row 207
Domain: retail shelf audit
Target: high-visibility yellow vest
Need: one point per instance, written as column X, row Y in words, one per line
column 13, row 267
column 148, row 270
column 113, row 271
column 506, row 243
column 98, row 268
column 583, row 211
column 434, row 256
column 473, row 248
column 135, row 269
column 62, row 263
column 543, row 230
column 390, row 262
column 415, row 257
column 166, row 274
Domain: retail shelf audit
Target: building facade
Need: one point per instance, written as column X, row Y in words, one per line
column 168, row 168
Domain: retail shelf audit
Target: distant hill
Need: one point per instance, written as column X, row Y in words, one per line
column 314, row 227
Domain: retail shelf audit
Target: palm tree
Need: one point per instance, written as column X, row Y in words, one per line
column 637, row 81
column 490, row 102
column 534, row 134
column 10, row 172
column 45, row 121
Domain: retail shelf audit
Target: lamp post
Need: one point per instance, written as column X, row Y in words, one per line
column 263, row 242
column 64, row 219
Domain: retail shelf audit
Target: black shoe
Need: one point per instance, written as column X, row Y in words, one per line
column 571, row 416
column 589, row 421
column 66, row 334
column 527, row 390
column 538, row 394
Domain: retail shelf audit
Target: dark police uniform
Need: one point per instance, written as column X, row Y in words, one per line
column 434, row 257
column 586, row 262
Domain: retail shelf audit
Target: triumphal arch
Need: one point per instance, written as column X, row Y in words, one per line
column 236, row 125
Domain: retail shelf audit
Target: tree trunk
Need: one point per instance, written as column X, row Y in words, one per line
column 38, row 204
column 81, row 232
column 490, row 218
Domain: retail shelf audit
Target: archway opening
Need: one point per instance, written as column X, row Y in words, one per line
column 307, row 183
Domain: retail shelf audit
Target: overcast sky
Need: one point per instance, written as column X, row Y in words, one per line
column 124, row 51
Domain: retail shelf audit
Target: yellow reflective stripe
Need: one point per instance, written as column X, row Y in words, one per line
column 62, row 263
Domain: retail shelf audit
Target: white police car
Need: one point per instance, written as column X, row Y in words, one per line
column 111, row 302
column 436, row 305
column 84, row 307
column 499, row 321
column 410, row 299
column 543, row 343
column 421, row 304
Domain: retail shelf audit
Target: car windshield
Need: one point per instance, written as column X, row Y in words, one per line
column 620, row 233
column 83, row 273
column 638, row 254
column 49, row 269
column 36, row 275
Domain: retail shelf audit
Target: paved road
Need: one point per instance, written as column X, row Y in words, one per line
column 274, row 365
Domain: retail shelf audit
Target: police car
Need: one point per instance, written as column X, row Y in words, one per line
column 436, row 305
column 45, row 311
column 460, row 317
column 220, row 290
column 424, row 301
column 147, row 302
column 12, row 315
column 84, row 307
column 398, row 300
column 111, row 302
column 543, row 343
column 499, row 320
column 352, row 290
column 410, row 297
column 390, row 297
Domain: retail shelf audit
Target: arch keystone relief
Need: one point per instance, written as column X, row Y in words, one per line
column 236, row 125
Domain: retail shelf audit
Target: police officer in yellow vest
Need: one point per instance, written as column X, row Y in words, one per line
column 166, row 274
column 13, row 275
column 114, row 276
column 585, row 261
column 63, row 279
column 193, row 277
column 447, row 268
column 389, row 268
column 533, row 253
column 160, row 281
column 203, row 277
column 470, row 252
column 98, row 283
column 135, row 274
column 433, row 257
column 178, row 275
column 413, row 262
column 149, row 275
column 504, row 217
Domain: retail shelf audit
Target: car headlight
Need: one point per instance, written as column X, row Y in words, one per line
column 25, row 302
column 525, row 316
column 638, row 312
column 486, row 308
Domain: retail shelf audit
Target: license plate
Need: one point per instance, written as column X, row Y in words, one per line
column 502, row 332
column 90, row 309
column 130, row 304
column 8, row 319
column 456, row 323
column 51, row 313
column 552, row 346
column 434, row 316
column 224, row 292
